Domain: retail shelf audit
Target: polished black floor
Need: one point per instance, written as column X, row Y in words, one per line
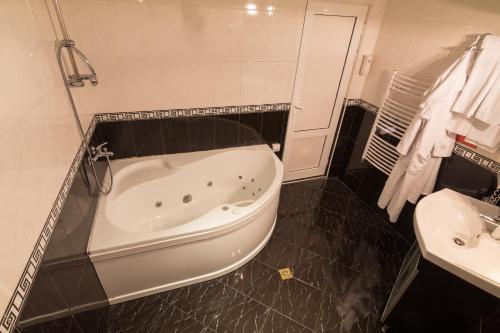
column 344, row 260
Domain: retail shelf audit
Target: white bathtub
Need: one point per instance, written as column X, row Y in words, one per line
column 179, row 219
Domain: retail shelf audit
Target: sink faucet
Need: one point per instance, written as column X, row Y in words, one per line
column 100, row 151
column 494, row 222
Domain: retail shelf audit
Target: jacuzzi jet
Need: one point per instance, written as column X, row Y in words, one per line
column 240, row 177
column 187, row 198
column 225, row 207
column 158, row 204
column 252, row 180
column 244, row 187
column 458, row 241
column 210, row 183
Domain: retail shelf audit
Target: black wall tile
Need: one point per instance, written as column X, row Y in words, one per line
column 120, row 138
column 175, row 133
column 465, row 177
column 147, row 137
column 226, row 129
column 201, row 133
column 250, row 129
column 272, row 126
column 184, row 134
column 66, row 279
column 283, row 133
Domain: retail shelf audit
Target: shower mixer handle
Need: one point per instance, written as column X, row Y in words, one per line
column 100, row 151
column 76, row 79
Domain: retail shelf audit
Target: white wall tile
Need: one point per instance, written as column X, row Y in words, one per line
column 227, row 32
column 36, row 128
column 253, row 81
column 422, row 38
column 227, row 83
column 256, row 37
column 285, row 36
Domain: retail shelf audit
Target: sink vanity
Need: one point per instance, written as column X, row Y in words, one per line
column 451, row 276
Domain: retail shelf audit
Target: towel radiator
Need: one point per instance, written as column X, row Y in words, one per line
column 400, row 105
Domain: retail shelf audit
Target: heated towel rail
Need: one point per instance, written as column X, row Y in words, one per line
column 400, row 105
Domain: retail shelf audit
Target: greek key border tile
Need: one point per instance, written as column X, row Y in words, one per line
column 193, row 112
column 476, row 158
column 15, row 305
column 362, row 103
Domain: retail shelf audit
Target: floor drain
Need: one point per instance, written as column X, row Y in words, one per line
column 187, row 198
column 158, row 204
column 285, row 273
column 458, row 241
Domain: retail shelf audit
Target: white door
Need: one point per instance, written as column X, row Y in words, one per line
column 329, row 42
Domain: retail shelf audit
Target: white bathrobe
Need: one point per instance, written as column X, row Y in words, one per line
column 476, row 112
column 426, row 141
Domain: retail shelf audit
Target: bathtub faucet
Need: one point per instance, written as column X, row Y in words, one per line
column 100, row 151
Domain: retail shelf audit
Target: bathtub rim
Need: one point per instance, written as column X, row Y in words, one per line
column 163, row 241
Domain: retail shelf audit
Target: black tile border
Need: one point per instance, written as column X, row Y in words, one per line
column 192, row 112
column 16, row 303
column 363, row 104
column 476, row 158
column 459, row 150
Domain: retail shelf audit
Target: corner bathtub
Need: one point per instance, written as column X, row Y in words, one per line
column 175, row 220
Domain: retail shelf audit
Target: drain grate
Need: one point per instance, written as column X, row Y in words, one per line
column 285, row 273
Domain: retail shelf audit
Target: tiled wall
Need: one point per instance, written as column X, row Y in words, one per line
column 38, row 138
column 66, row 282
column 157, row 54
column 182, row 134
column 368, row 182
column 421, row 38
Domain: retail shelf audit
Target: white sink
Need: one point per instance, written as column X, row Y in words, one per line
column 452, row 235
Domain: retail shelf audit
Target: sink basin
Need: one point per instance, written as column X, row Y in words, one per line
column 452, row 235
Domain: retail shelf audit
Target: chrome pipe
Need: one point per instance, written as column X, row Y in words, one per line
column 64, row 32
column 69, row 44
column 78, row 80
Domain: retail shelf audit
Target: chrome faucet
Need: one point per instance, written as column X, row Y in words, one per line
column 492, row 225
column 100, row 151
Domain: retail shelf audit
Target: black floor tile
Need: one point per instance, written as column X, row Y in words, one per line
column 335, row 186
column 335, row 203
column 203, row 301
column 277, row 323
column 337, row 316
column 316, row 240
column 329, row 221
column 240, row 313
column 312, row 269
column 278, row 254
column 299, row 301
column 255, row 280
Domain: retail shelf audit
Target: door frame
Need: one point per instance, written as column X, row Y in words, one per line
column 315, row 7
